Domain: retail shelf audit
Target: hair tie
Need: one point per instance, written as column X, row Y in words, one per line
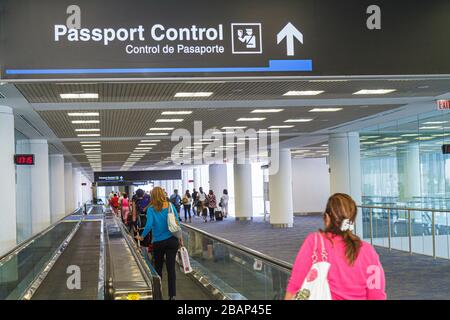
column 347, row 225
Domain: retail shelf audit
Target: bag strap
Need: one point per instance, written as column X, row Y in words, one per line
column 323, row 253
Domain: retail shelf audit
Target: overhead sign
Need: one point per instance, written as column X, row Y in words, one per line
column 138, row 176
column 443, row 104
column 62, row 39
column 24, row 159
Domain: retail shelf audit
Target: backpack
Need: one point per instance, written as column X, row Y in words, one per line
column 141, row 204
column 175, row 199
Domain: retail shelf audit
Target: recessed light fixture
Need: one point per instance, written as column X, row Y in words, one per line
column 424, row 138
column 157, row 134
column 143, row 148
column 299, row 120
column 93, row 149
column 147, row 144
column 304, row 93
column 83, row 114
column 266, row 110
column 389, row 139
column 209, row 139
column 87, row 130
column 79, row 95
column 410, row 135
column 85, row 121
column 280, row 127
column 374, row 91
column 325, row 109
column 161, row 129
column 173, row 113
column 251, row 119
column 169, row 120
column 192, row 94
column 369, row 142
column 233, row 128
column 89, row 135
column 248, row 138
column 435, row 122
column 150, row 140
column 89, row 142
column 431, row 128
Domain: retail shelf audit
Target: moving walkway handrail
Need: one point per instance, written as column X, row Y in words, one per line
column 269, row 259
column 30, row 240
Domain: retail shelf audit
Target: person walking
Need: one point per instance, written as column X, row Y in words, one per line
column 355, row 273
column 187, row 205
column 165, row 245
column 125, row 208
column 115, row 204
column 175, row 199
column 223, row 204
column 195, row 202
column 212, row 204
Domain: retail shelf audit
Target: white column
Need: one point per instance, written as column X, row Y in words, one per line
column 345, row 168
column 40, row 184
column 243, row 191
column 218, row 178
column 409, row 172
column 184, row 181
column 68, row 188
column 57, row 187
column 280, row 193
column 76, row 188
column 170, row 187
column 197, row 182
column 8, row 231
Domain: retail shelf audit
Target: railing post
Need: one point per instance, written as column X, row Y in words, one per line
column 433, row 230
column 389, row 228
column 410, row 231
column 371, row 225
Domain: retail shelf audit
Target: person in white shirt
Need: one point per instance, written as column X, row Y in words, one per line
column 224, row 203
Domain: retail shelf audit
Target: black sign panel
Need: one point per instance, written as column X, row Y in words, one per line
column 24, row 159
column 198, row 38
column 446, row 148
column 130, row 176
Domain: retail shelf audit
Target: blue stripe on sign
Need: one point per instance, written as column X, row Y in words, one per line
column 274, row 66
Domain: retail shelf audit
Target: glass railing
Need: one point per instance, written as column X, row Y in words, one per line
column 238, row 272
column 415, row 230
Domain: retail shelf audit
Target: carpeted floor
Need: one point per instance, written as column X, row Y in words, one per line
column 407, row 277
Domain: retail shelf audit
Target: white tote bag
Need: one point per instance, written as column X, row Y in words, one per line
column 174, row 226
column 315, row 286
column 183, row 260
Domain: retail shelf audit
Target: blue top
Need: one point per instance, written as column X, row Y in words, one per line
column 157, row 221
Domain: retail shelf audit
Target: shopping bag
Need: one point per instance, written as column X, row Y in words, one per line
column 183, row 260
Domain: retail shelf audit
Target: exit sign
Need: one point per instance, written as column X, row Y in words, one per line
column 443, row 104
column 24, row 159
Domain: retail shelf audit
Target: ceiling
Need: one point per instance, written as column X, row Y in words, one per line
column 122, row 128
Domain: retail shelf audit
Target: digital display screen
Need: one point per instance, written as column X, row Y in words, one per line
column 446, row 148
column 24, row 159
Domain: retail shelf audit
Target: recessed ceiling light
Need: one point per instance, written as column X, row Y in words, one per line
column 299, row 120
column 85, row 121
column 79, row 95
column 161, row 129
column 410, row 135
column 375, row 91
column 89, row 135
column 89, row 142
column 210, row 140
column 424, row 138
column 280, row 127
column 266, row 110
column 83, row 114
column 233, row 128
column 369, row 142
column 169, row 120
column 431, row 128
column 86, row 151
column 328, row 80
column 157, row 134
column 325, row 109
column 143, row 148
column 248, row 138
column 389, row 139
column 147, row 144
column 87, row 130
column 251, row 119
column 192, row 94
column 435, row 122
column 150, row 140
column 92, row 149
column 172, row 113
column 304, row 93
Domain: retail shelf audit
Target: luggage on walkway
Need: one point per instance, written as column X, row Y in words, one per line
column 218, row 215
column 183, row 260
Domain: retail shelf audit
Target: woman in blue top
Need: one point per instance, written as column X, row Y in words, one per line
column 164, row 243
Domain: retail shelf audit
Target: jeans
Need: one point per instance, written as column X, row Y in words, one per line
column 169, row 249
column 211, row 214
column 187, row 210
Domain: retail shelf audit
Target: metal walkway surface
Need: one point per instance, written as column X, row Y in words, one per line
column 83, row 251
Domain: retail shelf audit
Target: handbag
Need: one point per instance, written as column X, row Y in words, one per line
column 315, row 286
column 174, row 226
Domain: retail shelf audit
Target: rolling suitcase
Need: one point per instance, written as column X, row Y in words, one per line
column 218, row 215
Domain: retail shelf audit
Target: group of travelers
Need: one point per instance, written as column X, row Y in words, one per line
column 332, row 263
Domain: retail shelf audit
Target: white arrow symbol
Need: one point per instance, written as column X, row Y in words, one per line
column 289, row 32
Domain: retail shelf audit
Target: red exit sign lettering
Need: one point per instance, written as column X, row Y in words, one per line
column 24, row 159
column 443, row 104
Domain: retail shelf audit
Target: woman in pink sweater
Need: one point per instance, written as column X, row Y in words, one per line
column 355, row 272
